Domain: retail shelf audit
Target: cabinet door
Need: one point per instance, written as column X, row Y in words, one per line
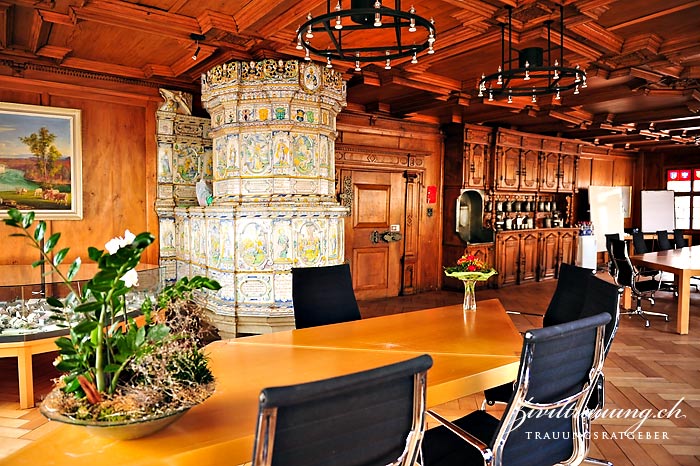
column 549, row 178
column 475, row 165
column 549, row 254
column 529, row 170
column 507, row 168
column 528, row 257
column 508, row 248
column 567, row 241
column 567, row 172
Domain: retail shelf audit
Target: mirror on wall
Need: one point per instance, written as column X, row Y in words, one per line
column 469, row 217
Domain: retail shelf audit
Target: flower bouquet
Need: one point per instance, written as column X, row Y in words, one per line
column 118, row 368
column 470, row 269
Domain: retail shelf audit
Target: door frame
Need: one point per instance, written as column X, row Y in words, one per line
column 411, row 164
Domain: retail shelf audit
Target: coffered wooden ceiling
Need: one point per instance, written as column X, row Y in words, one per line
column 642, row 58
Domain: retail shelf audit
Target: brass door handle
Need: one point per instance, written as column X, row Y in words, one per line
column 386, row 236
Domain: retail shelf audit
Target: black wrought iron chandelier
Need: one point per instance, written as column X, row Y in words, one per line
column 532, row 77
column 349, row 33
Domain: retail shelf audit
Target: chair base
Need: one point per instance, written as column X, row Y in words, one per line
column 590, row 460
column 643, row 314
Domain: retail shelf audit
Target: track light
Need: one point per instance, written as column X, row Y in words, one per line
column 196, row 38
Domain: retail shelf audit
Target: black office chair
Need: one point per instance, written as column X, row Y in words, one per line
column 374, row 417
column 679, row 238
column 609, row 237
column 662, row 240
column 558, row 369
column 323, row 295
column 578, row 294
column 568, row 293
column 640, row 247
column 628, row 275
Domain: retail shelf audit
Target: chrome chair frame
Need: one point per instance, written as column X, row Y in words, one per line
column 580, row 427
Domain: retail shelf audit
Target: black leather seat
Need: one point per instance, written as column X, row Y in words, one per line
column 323, row 295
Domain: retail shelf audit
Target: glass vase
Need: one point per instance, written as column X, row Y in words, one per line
column 469, row 303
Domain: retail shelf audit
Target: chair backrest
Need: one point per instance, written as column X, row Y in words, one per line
column 609, row 237
column 603, row 296
column 366, row 418
column 625, row 270
column 640, row 245
column 323, row 295
column 679, row 239
column 565, row 304
column 663, row 241
column 558, row 368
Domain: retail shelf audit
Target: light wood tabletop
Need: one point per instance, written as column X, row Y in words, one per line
column 684, row 263
column 222, row 429
column 437, row 330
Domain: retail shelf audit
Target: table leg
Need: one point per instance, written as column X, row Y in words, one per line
column 627, row 298
column 26, row 378
column 683, row 317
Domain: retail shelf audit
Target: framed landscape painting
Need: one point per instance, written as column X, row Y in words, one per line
column 41, row 161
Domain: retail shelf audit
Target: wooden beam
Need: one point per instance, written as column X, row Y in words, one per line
column 130, row 16
column 662, row 12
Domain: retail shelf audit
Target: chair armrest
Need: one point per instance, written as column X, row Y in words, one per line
column 464, row 435
column 524, row 313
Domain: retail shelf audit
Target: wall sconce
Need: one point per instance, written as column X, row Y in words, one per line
column 196, row 38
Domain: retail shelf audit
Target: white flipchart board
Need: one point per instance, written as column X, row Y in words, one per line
column 658, row 211
column 606, row 212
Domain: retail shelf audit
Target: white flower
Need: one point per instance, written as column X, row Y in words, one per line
column 113, row 245
column 131, row 278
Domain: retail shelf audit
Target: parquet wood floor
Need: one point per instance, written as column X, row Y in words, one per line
column 647, row 369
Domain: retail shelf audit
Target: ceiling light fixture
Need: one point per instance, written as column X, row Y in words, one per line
column 532, row 77
column 196, row 38
column 367, row 32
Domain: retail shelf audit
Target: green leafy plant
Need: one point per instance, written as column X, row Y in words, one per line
column 107, row 356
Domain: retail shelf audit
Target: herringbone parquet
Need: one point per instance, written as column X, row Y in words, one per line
column 652, row 375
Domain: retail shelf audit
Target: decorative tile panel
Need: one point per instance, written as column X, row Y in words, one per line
column 272, row 167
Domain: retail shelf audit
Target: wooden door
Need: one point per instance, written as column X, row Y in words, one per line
column 528, row 256
column 529, row 170
column 567, row 246
column 377, row 206
column 567, row 172
column 549, row 179
column 475, row 165
column 507, row 168
column 549, row 252
column 507, row 258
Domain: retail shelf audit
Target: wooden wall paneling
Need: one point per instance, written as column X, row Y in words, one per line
column 152, row 254
column 584, row 171
column 602, row 172
column 623, row 172
column 118, row 163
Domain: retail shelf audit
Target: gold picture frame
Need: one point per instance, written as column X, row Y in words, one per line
column 41, row 161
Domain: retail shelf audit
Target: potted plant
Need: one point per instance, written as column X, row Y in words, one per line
column 123, row 374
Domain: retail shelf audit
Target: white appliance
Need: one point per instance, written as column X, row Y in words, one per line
column 587, row 253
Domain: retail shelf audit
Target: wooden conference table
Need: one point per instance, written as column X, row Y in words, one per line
column 470, row 351
column 683, row 263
